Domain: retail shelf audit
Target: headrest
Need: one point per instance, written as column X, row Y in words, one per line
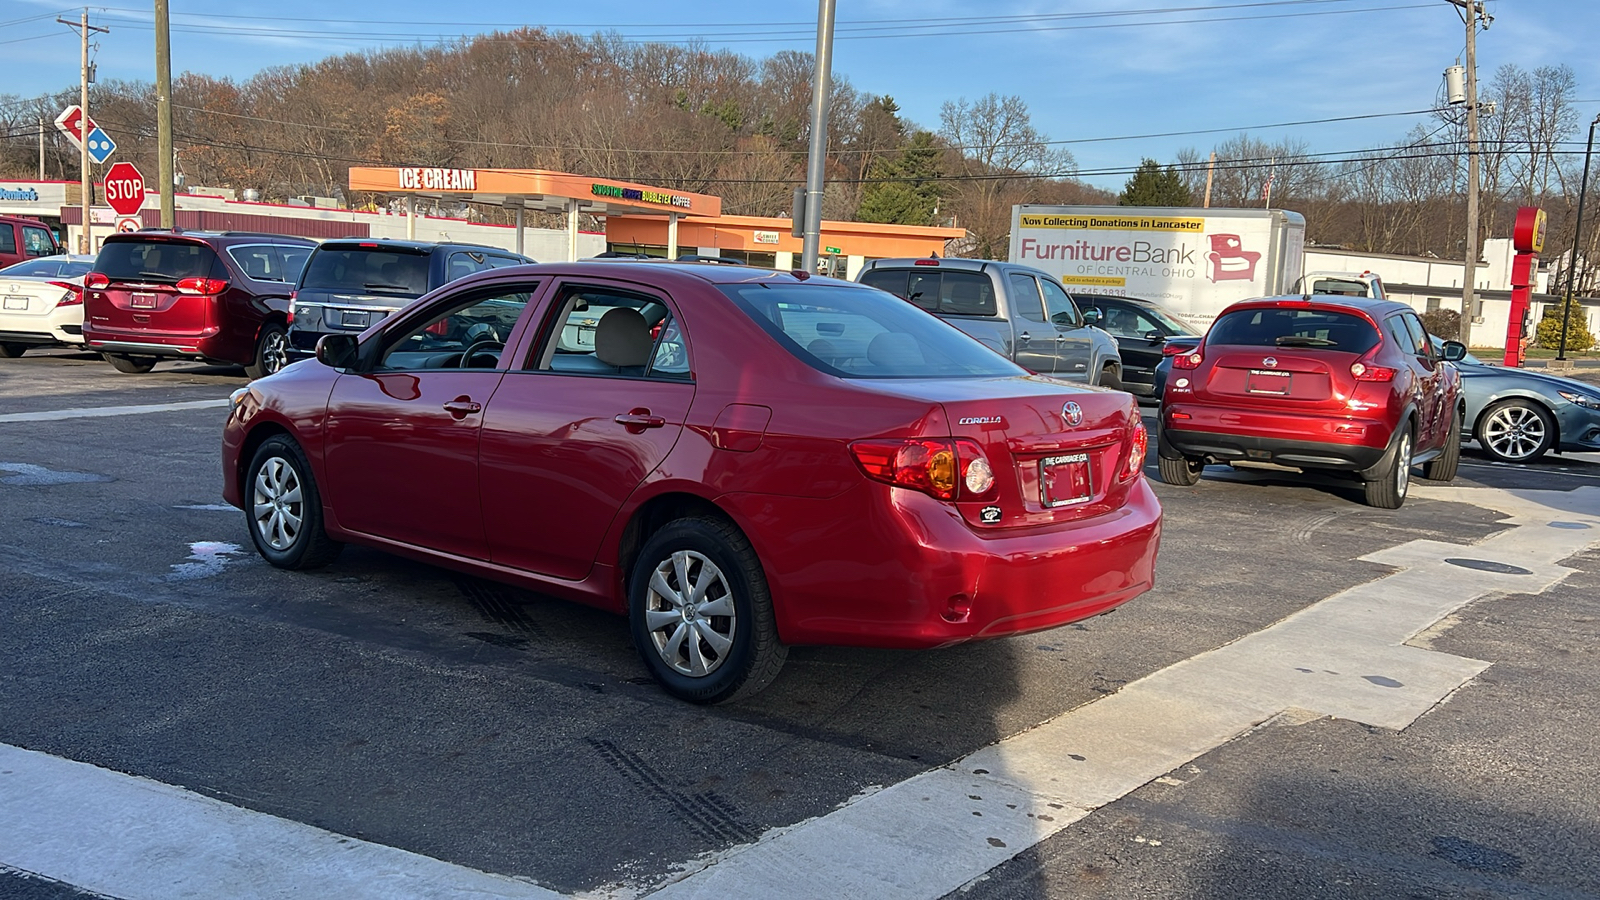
column 896, row 350
column 622, row 339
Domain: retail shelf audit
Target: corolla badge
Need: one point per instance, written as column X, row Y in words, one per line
column 1270, row 362
column 1072, row 413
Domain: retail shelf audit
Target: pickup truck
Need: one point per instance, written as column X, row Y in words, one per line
column 1019, row 312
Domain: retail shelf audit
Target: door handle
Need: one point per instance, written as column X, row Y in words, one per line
column 461, row 407
column 1024, row 337
column 1061, row 339
column 639, row 419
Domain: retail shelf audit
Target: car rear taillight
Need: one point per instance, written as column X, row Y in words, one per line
column 1364, row 370
column 74, row 295
column 926, row 262
column 96, row 280
column 1138, row 445
column 203, row 286
column 292, row 295
column 941, row 467
column 1189, row 360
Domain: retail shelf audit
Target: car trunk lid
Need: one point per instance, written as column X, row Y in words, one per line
column 155, row 286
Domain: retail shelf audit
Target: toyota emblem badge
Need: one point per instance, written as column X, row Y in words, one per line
column 1072, row 413
column 1270, row 362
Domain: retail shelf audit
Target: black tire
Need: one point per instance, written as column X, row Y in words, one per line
column 272, row 352
column 1390, row 480
column 1516, row 431
column 1111, row 377
column 753, row 654
column 1443, row 467
column 309, row 547
column 12, row 350
column 1174, row 467
column 130, row 365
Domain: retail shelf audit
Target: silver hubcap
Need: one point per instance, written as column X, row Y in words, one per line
column 275, row 352
column 275, row 504
column 1514, row 432
column 1402, row 475
column 690, row 614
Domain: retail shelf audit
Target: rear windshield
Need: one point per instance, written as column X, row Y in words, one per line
column 948, row 292
column 1280, row 327
column 155, row 261
column 856, row 333
column 48, row 267
column 362, row 270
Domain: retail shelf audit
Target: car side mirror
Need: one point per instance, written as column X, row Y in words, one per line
column 337, row 351
column 1454, row 351
column 1091, row 317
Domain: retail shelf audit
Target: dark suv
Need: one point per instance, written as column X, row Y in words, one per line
column 350, row 284
column 1343, row 384
column 215, row 296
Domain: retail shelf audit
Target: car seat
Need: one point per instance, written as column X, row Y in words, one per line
column 622, row 340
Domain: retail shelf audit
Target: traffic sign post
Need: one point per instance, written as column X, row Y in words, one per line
column 124, row 188
column 128, row 224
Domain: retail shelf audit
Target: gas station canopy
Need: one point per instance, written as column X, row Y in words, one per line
column 524, row 189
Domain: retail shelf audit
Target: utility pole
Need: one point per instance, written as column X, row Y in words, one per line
column 164, row 114
column 84, row 29
column 1473, row 12
column 1211, row 168
column 41, row 148
column 817, row 162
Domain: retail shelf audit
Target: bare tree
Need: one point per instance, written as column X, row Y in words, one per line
column 996, row 153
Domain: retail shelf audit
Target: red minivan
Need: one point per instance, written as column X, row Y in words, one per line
column 218, row 297
column 1343, row 384
column 24, row 239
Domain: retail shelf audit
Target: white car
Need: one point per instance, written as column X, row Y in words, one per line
column 41, row 303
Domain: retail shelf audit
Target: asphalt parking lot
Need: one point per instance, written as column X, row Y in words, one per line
column 487, row 730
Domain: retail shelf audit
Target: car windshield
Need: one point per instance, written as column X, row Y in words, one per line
column 367, row 270
column 157, row 261
column 856, row 332
column 1276, row 326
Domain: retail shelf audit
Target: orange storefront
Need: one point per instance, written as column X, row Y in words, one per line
column 767, row 241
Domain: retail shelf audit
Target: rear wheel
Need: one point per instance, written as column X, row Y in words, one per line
column 12, row 350
column 1175, row 468
column 1516, row 431
column 701, row 614
column 1111, row 377
column 130, row 365
column 283, row 508
column 1443, row 467
column 1392, row 477
column 272, row 352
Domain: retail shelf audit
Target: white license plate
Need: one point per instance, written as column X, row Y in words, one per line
column 354, row 319
column 142, row 301
column 15, row 302
column 1265, row 382
column 1065, row 479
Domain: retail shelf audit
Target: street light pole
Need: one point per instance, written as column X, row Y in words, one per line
column 816, row 164
column 1577, row 230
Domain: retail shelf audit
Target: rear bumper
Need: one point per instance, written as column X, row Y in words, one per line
column 206, row 347
column 889, row 567
column 59, row 326
column 1298, row 439
column 1281, row 451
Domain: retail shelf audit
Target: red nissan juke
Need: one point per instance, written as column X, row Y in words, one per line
column 737, row 459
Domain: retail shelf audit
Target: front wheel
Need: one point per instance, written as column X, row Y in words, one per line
column 130, row 365
column 1111, row 377
column 1516, row 431
column 272, row 352
column 1392, row 479
column 283, row 508
column 701, row 614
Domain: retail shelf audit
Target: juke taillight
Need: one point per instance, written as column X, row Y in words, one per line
column 946, row 468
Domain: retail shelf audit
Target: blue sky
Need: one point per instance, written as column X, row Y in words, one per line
column 1191, row 66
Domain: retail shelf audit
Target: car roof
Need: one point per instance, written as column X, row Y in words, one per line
column 662, row 270
column 346, row 243
column 1370, row 306
column 215, row 238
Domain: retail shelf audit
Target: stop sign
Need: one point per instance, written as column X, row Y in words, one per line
column 124, row 189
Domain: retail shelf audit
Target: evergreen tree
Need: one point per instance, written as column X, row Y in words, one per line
column 1578, row 336
column 1151, row 186
column 907, row 193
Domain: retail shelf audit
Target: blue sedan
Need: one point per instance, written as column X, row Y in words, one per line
column 1519, row 415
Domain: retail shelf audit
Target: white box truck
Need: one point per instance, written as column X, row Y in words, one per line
column 1192, row 261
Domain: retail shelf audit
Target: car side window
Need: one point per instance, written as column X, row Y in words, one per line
column 1120, row 321
column 8, row 239
column 38, row 241
column 1025, row 296
column 467, row 334
column 462, row 263
column 1419, row 335
column 1062, row 311
column 610, row 332
column 292, row 260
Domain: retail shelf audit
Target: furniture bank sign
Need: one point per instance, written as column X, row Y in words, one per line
column 1192, row 263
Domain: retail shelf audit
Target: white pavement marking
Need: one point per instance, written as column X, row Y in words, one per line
column 1348, row 656
column 133, row 838
column 91, row 412
column 1345, row 656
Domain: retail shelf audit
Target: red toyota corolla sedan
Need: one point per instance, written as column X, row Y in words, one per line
column 1342, row 384
column 737, row 459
